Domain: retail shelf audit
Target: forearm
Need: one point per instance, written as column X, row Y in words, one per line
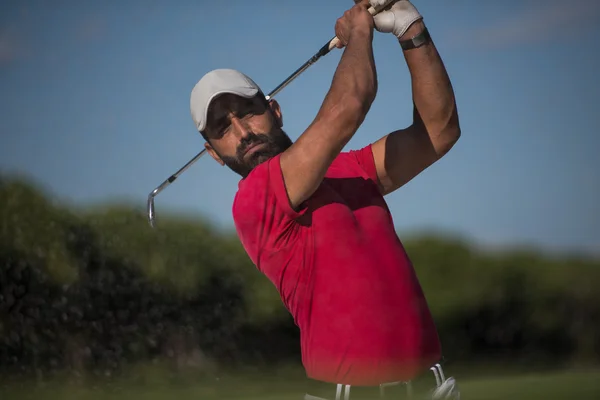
column 355, row 77
column 348, row 101
column 351, row 94
column 433, row 96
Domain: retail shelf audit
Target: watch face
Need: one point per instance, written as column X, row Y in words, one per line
column 417, row 41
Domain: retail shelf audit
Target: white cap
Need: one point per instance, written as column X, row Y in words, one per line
column 214, row 83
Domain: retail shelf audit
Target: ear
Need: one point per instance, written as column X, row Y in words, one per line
column 276, row 111
column 213, row 153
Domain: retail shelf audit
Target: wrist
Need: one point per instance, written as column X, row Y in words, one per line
column 360, row 32
column 419, row 40
column 416, row 28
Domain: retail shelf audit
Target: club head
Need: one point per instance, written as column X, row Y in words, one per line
column 151, row 207
column 166, row 183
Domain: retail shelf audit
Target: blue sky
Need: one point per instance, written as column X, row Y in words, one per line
column 94, row 105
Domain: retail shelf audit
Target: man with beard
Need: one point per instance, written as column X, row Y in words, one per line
column 313, row 219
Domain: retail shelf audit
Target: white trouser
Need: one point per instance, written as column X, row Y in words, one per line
column 445, row 388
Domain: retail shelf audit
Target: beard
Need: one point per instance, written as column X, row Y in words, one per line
column 273, row 144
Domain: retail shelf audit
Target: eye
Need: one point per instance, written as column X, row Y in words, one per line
column 253, row 107
column 247, row 112
column 224, row 129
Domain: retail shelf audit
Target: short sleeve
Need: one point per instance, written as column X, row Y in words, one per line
column 263, row 216
column 364, row 158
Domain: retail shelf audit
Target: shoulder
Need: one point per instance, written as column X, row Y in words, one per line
column 263, row 189
column 359, row 161
column 262, row 214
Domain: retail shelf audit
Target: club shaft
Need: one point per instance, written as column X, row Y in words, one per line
column 322, row 51
column 331, row 44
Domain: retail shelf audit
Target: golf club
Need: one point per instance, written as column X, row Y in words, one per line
column 323, row 51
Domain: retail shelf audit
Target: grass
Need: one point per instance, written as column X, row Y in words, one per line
column 575, row 385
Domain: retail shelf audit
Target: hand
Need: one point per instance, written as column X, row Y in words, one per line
column 355, row 20
column 396, row 18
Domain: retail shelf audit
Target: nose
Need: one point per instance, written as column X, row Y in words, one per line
column 240, row 128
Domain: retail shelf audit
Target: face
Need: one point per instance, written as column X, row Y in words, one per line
column 243, row 133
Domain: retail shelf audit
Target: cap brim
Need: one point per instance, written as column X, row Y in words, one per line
column 247, row 93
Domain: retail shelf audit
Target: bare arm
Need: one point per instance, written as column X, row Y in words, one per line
column 345, row 106
column 403, row 154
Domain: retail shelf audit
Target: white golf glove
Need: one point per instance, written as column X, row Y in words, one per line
column 397, row 19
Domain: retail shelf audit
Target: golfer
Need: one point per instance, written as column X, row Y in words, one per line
column 314, row 220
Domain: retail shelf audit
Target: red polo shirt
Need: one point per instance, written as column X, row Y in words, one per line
column 341, row 271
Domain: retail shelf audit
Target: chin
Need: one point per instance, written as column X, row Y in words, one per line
column 261, row 157
column 255, row 160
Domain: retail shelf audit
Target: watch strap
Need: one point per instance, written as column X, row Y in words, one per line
column 416, row 41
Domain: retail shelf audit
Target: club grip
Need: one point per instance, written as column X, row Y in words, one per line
column 372, row 10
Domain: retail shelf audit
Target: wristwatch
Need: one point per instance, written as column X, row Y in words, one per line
column 417, row 41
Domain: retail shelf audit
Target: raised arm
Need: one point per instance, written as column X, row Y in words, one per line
column 348, row 101
column 403, row 154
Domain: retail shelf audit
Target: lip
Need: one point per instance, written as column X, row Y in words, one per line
column 253, row 148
